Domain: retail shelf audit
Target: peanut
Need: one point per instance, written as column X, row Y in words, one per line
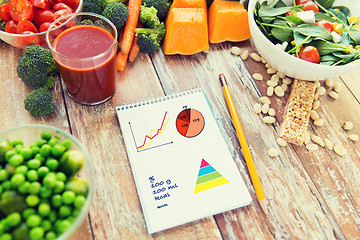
column 337, row 86
column 307, row 138
column 354, row 137
column 270, row 91
column 271, row 83
column 280, row 74
column 269, row 119
column 339, row 150
column 316, row 104
column 271, row 70
column 257, row 108
column 328, row 144
column 319, row 122
column 284, row 87
column 271, row 112
column 263, row 60
column 311, row 147
column 275, row 78
column 321, row 91
column 235, row 50
column 314, row 115
column 334, row 95
column 265, row 108
column 317, row 84
column 348, row 125
column 279, row 91
column 329, row 82
column 287, row 81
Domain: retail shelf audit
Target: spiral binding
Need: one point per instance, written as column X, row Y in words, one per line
column 159, row 99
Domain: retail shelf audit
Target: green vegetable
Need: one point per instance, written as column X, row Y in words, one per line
column 5, row 146
column 149, row 39
column 11, row 201
column 71, row 162
column 162, row 7
column 77, row 185
column 36, row 67
column 277, row 27
column 117, row 13
column 94, row 6
column 39, row 102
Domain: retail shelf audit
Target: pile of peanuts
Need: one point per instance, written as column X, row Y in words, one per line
column 278, row 85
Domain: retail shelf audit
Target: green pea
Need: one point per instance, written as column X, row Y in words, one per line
column 32, row 175
column 56, row 200
column 68, row 197
column 46, row 135
column 1, row 189
column 45, row 192
column 52, row 163
column 17, row 179
column 21, row 232
column 28, row 212
column 46, row 225
column 18, row 148
column 61, row 176
column 36, row 233
column 59, row 187
column 40, row 142
column 6, row 236
column 16, row 159
column 44, row 209
column 53, row 141
column 4, row 175
column 35, row 150
column 42, row 171
column 10, row 168
column 76, row 212
column 6, row 185
column 57, row 150
column 32, row 200
column 34, row 163
column 66, row 143
column 62, row 226
column 17, row 142
column 53, row 216
column 4, row 225
column 26, row 152
column 40, row 157
column 49, row 180
column 33, row 220
column 24, row 187
column 64, row 211
column 21, row 169
column 8, row 154
column 50, row 235
column 79, row 201
column 13, row 219
column 34, row 188
column 45, row 150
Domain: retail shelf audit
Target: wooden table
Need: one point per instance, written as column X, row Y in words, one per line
column 311, row 195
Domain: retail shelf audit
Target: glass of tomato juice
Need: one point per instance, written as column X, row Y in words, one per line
column 84, row 47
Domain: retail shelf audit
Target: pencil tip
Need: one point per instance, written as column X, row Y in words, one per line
column 222, row 79
column 263, row 205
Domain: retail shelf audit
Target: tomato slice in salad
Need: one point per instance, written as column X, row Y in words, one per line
column 326, row 24
column 11, row 27
column 25, row 25
column 21, row 9
column 310, row 54
column 299, row 2
column 5, row 12
column 311, row 6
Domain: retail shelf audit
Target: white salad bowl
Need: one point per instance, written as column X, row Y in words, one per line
column 293, row 66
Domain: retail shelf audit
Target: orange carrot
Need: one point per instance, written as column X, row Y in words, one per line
column 129, row 32
column 134, row 50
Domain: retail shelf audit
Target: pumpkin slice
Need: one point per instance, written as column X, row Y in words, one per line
column 186, row 31
column 228, row 21
column 189, row 4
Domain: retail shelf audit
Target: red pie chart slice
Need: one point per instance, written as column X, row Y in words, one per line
column 190, row 123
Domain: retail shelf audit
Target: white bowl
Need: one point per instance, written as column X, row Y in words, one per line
column 290, row 65
column 20, row 40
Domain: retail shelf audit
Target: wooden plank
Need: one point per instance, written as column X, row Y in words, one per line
column 12, row 112
column 351, row 81
column 287, row 185
column 116, row 211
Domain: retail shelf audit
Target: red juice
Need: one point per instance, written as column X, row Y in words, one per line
column 86, row 61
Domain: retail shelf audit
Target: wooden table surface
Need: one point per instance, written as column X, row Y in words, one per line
column 311, row 195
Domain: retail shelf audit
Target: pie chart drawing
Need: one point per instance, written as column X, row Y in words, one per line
column 190, row 123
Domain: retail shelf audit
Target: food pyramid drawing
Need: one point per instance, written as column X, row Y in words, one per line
column 208, row 178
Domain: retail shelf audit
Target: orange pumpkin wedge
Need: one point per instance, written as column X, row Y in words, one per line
column 186, row 31
column 228, row 21
column 189, row 4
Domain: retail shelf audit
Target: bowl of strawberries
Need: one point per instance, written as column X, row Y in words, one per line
column 24, row 22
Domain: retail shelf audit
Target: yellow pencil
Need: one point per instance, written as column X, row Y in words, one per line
column 244, row 146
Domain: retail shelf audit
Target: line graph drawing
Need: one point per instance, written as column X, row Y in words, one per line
column 148, row 138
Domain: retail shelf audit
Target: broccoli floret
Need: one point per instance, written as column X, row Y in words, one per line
column 162, row 6
column 39, row 102
column 94, row 6
column 149, row 39
column 36, row 67
column 117, row 13
column 148, row 16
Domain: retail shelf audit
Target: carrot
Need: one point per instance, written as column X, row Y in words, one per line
column 134, row 50
column 129, row 32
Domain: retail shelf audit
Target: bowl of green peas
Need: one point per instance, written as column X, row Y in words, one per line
column 46, row 183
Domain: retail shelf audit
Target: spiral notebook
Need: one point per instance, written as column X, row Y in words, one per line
column 182, row 167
